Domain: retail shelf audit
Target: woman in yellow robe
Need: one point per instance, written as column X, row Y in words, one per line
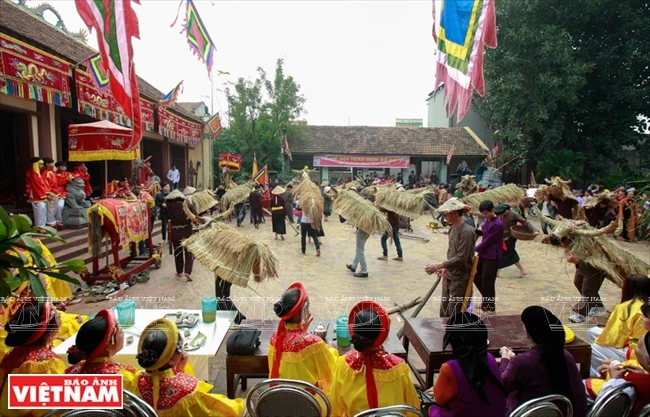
column 30, row 335
column 368, row 376
column 294, row 353
column 595, row 385
column 624, row 327
column 169, row 391
column 98, row 341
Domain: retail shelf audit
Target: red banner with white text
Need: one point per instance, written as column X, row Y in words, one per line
column 362, row 161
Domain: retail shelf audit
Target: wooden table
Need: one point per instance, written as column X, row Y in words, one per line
column 426, row 334
column 257, row 365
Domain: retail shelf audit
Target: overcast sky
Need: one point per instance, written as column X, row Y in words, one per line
column 368, row 62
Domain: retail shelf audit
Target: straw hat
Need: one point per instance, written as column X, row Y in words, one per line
column 278, row 190
column 175, row 195
column 189, row 191
column 325, row 183
column 327, row 189
column 453, row 204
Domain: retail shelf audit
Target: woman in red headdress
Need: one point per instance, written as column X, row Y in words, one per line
column 30, row 333
column 97, row 341
column 294, row 353
column 368, row 376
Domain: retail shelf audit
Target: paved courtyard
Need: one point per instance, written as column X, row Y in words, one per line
column 333, row 290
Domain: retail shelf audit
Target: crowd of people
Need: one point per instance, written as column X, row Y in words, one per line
column 46, row 189
column 367, row 376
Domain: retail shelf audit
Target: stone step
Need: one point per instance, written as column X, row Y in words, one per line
column 79, row 250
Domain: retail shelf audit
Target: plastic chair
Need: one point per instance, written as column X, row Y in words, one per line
column 134, row 406
column 644, row 412
column 391, row 411
column 544, row 407
column 615, row 403
column 287, row 397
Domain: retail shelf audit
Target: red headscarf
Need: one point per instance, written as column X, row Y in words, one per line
column 279, row 336
column 111, row 330
column 385, row 329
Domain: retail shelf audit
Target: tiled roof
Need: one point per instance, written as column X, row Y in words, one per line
column 376, row 140
column 18, row 23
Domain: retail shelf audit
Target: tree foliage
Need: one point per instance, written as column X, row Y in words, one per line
column 18, row 238
column 571, row 75
column 257, row 111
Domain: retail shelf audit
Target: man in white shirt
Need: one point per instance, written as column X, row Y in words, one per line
column 174, row 177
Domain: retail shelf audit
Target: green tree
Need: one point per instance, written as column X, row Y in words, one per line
column 258, row 111
column 568, row 75
column 562, row 162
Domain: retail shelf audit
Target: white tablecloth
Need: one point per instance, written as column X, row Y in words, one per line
column 215, row 333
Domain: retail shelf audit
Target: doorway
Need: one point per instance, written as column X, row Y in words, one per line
column 15, row 153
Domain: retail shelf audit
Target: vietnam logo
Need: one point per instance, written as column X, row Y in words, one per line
column 65, row 391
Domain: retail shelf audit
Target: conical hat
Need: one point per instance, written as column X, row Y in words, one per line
column 453, row 204
column 278, row 190
column 176, row 194
column 189, row 191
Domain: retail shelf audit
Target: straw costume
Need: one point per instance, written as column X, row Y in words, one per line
column 170, row 392
column 99, row 360
column 312, row 204
column 294, row 353
column 367, row 219
column 508, row 194
column 598, row 207
column 370, row 377
column 35, row 355
column 278, row 212
column 561, row 195
column 594, row 248
column 460, row 261
column 233, row 257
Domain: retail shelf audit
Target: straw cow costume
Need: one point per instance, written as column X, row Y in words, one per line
column 367, row 218
column 596, row 257
column 233, row 257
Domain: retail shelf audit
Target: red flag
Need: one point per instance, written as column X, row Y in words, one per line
column 115, row 23
column 451, row 153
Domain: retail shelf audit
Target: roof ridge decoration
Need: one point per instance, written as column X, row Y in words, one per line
column 39, row 11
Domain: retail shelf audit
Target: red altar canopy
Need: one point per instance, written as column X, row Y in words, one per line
column 230, row 160
column 100, row 141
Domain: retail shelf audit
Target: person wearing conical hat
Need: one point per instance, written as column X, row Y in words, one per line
column 460, row 257
column 163, row 384
column 278, row 212
column 180, row 229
